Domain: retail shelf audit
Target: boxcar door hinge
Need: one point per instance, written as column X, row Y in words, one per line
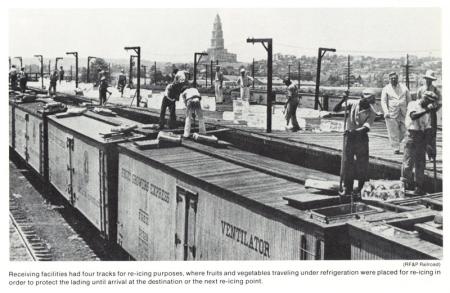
column 179, row 198
column 27, row 118
column 194, row 205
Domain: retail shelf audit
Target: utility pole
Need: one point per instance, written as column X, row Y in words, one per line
column 49, row 67
column 289, row 70
column 41, row 59
column 206, row 74
column 196, row 61
column 9, row 59
column 299, row 75
column 137, row 50
column 320, row 55
column 145, row 74
column 154, row 77
column 56, row 62
column 407, row 67
column 88, row 68
column 20, row 59
column 71, row 75
column 253, row 73
column 212, row 73
column 76, row 66
column 268, row 48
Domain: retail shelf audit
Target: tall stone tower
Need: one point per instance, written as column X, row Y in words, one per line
column 217, row 34
column 217, row 50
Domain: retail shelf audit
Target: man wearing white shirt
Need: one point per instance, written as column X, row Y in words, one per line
column 191, row 97
column 394, row 101
column 244, row 83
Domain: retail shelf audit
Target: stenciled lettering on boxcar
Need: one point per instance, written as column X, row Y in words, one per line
column 143, row 217
column 247, row 239
column 143, row 245
column 145, row 185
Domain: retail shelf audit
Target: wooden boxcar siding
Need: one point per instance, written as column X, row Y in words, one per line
column 20, row 127
column 146, row 211
column 148, row 226
column 226, row 230
column 84, row 172
column 365, row 246
column 34, row 143
column 58, row 161
column 11, row 125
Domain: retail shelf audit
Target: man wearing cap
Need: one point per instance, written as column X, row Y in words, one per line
column 121, row 82
column 23, row 78
column 191, row 98
column 61, row 74
column 218, row 82
column 428, row 86
column 290, row 108
column 356, row 141
column 103, row 89
column 13, row 77
column 244, row 83
column 418, row 142
column 53, row 80
column 394, row 101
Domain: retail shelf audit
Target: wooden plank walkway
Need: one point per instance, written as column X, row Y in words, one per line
column 379, row 146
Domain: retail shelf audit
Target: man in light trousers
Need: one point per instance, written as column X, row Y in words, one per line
column 191, row 97
column 244, row 83
column 394, row 101
column 218, row 83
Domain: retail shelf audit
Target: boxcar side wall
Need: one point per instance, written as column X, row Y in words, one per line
column 34, row 145
column 154, row 217
column 58, row 161
column 11, row 125
column 146, row 214
column 20, row 123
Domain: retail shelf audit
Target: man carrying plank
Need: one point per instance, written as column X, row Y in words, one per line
column 356, row 141
column 420, row 141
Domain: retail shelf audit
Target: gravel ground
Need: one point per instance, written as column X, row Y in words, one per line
column 67, row 234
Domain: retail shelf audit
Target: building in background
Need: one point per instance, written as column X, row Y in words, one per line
column 217, row 50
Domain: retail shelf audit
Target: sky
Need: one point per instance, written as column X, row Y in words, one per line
column 175, row 34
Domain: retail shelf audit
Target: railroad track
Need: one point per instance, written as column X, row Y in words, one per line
column 35, row 246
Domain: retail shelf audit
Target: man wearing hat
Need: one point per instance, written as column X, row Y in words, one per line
column 13, row 77
column 428, row 86
column 53, row 81
column 122, row 81
column 23, row 78
column 394, row 101
column 218, row 82
column 418, row 142
column 290, row 108
column 356, row 141
column 103, row 89
column 244, row 83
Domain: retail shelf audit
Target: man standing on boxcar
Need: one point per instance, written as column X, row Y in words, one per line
column 53, row 81
column 244, row 83
column 419, row 141
column 191, row 97
column 61, row 74
column 218, row 83
column 356, row 141
column 103, row 89
column 23, row 78
column 122, row 81
column 394, row 101
column 428, row 86
column 13, row 77
column 290, row 108
column 170, row 96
